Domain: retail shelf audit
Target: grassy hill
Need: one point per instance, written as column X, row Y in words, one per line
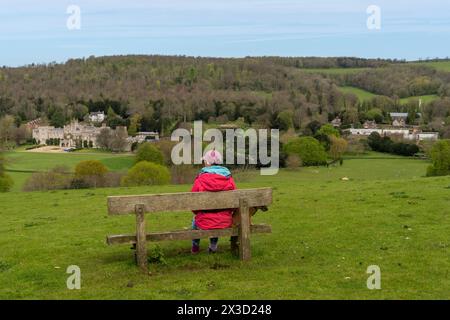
column 22, row 164
column 438, row 65
column 366, row 95
column 425, row 99
column 326, row 232
column 360, row 93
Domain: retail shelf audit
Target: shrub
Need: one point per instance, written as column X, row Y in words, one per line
column 166, row 146
column 183, row 174
column 55, row 179
column 148, row 152
column 6, row 182
column 308, row 149
column 146, row 173
column 385, row 144
column 440, row 157
column 293, row 162
column 92, row 172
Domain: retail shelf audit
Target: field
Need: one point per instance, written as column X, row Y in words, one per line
column 326, row 232
column 22, row 164
column 425, row 99
column 360, row 93
column 366, row 95
column 440, row 65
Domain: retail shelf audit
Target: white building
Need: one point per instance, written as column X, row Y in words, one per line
column 406, row 134
column 72, row 135
column 146, row 136
column 97, row 117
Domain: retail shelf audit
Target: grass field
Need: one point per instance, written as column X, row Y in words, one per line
column 440, row 65
column 360, row 93
column 21, row 164
column 366, row 95
column 326, row 232
column 425, row 99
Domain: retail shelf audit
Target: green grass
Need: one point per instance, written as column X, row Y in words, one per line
column 360, row 93
column 425, row 99
column 326, row 232
column 364, row 95
column 440, row 65
column 22, row 164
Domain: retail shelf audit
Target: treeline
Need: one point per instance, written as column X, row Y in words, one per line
column 333, row 62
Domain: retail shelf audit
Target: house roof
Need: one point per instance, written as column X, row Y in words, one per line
column 399, row 114
column 402, row 114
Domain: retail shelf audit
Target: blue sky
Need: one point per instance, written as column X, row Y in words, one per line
column 34, row 31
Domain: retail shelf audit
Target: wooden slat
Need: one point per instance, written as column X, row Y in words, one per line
column 187, row 201
column 185, row 234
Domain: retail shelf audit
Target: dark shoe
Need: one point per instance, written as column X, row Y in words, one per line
column 195, row 249
column 211, row 251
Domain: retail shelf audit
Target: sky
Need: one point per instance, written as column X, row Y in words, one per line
column 33, row 31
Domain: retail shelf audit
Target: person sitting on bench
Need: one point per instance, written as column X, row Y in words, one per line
column 213, row 178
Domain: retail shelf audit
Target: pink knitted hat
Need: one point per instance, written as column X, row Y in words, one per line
column 212, row 157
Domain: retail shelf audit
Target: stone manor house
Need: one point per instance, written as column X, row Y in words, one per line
column 69, row 136
column 78, row 134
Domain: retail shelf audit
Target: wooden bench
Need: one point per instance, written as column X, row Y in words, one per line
column 246, row 201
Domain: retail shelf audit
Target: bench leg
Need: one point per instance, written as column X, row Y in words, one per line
column 244, row 230
column 234, row 245
column 141, row 239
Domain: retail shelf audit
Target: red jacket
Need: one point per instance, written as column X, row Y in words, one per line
column 213, row 219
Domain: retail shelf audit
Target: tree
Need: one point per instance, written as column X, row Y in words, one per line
column 7, row 129
column 91, row 171
column 440, row 157
column 135, row 124
column 285, row 120
column 374, row 140
column 118, row 142
column 310, row 151
column 58, row 119
column 338, row 147
column 104, row 138
column 148, row 152
column 146, row 173
column 313, row 127
column 375, row 114
column 328, row 130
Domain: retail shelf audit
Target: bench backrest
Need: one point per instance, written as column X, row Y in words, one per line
column 188, row 201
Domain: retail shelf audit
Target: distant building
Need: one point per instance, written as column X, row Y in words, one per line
column 33, row 124
column 337, row 122
column 97, row 117
column 72, row 135
column 146, row 136
column 370, row 124
column 407, row 134
column 399, row 119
